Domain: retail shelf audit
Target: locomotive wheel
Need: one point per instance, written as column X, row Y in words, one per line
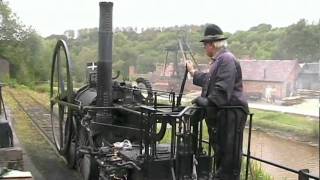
column 61, row 90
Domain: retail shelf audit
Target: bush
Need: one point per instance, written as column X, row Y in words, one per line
column 10, row 82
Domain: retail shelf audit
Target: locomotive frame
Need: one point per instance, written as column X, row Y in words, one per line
column 90, row 124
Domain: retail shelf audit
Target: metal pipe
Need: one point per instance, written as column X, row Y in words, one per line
column 116, row 127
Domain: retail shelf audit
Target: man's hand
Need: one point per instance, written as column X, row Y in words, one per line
column 190, row 67
column 200, row 101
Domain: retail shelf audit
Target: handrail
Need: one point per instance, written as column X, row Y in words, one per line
column 2, row 103
column 280, row 166
column 302, row 174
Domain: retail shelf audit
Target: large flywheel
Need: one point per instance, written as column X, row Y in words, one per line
column 61, row 93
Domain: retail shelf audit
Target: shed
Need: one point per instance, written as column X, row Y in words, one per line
column 278, row 75
column 309, row 77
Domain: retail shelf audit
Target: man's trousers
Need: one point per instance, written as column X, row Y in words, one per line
column 225, row 128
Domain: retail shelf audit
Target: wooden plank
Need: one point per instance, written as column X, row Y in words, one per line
column 17, row 175
column 11, row 158
column 10, row 154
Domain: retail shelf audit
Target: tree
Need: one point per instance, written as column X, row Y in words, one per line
column 301, row 41
column 10, row 27
column 22, row 46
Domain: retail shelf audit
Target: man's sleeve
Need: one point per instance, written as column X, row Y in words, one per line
column 221, row 90
column 199, row 78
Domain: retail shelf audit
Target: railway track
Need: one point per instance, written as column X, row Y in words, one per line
column 37, row 112
column 47, row 162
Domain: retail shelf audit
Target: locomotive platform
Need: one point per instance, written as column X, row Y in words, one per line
column 14, row 158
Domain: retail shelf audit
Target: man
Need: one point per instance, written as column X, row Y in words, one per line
column 222, row 88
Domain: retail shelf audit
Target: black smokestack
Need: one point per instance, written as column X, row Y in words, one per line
column 104, row 72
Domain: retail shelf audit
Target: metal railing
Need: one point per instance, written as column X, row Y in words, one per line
column 6, row 136
column 302, row 174
column 1, row 102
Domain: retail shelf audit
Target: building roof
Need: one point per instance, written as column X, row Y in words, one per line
column 2, row 60
column 267, row 70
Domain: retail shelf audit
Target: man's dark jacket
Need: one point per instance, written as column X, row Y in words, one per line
column 222, row 85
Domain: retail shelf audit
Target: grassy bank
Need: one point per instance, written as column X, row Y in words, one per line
column 295, row 125
column 256, row 172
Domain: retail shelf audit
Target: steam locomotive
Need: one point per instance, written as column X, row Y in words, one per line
column 111, row 129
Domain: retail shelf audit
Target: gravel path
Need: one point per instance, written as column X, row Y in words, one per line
column 310, row 107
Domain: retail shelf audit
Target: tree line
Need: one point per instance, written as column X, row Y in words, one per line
column 30, row 55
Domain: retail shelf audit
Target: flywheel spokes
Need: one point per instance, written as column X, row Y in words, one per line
column 61, row 91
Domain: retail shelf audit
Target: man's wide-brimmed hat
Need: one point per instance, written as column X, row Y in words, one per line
column 213, row 33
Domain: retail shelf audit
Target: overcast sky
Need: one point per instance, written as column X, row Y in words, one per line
column 55, row 16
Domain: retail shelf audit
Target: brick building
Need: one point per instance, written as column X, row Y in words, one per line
column 258, row 76
column 4, row 68
column 280, row 75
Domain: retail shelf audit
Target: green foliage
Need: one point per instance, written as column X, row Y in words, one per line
column 23, row 48
column 259, row 42
column 10, row 82
column 143, row 50
column 301, row 41
column 255, row 171
column 30, row 55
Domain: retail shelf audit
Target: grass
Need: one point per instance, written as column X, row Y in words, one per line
column 256, row 172
column 294, row 124
column 42, row 88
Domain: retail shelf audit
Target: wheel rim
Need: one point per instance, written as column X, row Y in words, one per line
column 61, row 89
